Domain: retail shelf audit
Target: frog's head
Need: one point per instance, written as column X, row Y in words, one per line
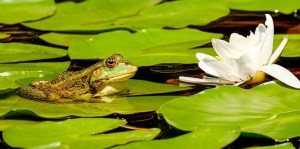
column 114, row 69
column 112, row 75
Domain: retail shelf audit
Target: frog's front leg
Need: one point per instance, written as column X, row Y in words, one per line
column 94, row 85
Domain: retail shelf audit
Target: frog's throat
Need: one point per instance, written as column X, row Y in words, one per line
column 111, row 88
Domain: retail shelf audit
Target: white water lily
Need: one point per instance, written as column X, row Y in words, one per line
column 245, row 59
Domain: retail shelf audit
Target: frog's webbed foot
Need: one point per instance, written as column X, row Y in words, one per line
column 125, row 92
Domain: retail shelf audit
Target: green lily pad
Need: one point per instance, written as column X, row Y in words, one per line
column 42, row 70
column 206, row 138
column 287, row 145
column 267, row 5
column 2, row 36
column 15, row 105
column 281, row 127
column 292, row 47
column 7, row 85
column 231, row 105
column 146, row 47
column 112, row 139
column 16, row 52
column 178, row 14
column 52, row 134
column 62, row 38
column 16, row 11
column 94, row 15
column 6, row 123
column 89, row 14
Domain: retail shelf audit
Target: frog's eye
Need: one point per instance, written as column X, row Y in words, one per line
column 110, row 62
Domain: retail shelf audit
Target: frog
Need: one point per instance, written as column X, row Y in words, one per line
column 92, row 84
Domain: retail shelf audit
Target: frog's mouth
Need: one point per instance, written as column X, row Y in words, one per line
column 122, row 77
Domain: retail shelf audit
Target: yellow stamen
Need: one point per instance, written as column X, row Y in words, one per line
column 258, row 77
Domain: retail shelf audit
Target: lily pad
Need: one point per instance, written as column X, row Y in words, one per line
column 52, row 134
column 273, row 5
column 6, row 123
column 89, row 14
column 16, row 11
column 7, row 85
column 292, row 47
column 281, row 127
column 95, row 15
column 146, row 47
column 287, row 145
column 62, row 38
column 231, row 105
column 178, row 14
column 2, row 36
column 42, row 70
column 206, row 137
column 112, row 139
column 16, row 52
column 15, row 105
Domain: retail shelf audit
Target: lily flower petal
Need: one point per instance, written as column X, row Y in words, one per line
column 205, row 81
column 278, row 51
column 214, row 67
column 204, row 59
column 281, row 74
column 267, row 44
column 224, row 49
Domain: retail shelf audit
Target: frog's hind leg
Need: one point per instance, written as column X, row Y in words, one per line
column 39, row 95
column 31, row 93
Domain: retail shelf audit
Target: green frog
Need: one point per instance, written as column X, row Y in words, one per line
column 92, row 84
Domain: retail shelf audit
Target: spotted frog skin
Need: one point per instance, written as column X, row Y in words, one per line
column 88, row 85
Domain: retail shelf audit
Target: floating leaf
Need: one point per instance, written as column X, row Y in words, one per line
column 146, row 47
column 281, row 127
column 177, row 14
column 291, row 49
column 7, row 85
column 2, row 36
column 94, row 15
column 16, row 52
column 16, row 11
column 89, row 14
column 112, row 139
column 231, row 105
column 54, row 134
column 63, row 39
column 40, row 70
column 6, row 123
column 289, row 6
column 287, row 145
column 205, row 137
column 14, row 105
